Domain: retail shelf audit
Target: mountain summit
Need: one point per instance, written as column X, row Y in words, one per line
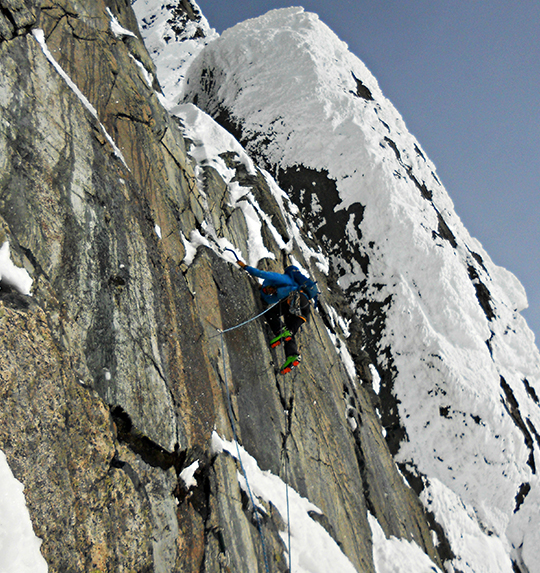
column 142, row 156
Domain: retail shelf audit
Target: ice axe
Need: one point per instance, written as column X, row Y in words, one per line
column 241, row 263
column 227, row 249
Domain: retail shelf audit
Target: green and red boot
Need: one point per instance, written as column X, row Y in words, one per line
column 291, row 362
column 284, row 335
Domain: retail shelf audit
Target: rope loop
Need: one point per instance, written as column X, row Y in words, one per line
column 222, row 331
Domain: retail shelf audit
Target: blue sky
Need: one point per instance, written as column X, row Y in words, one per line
column 465, row 76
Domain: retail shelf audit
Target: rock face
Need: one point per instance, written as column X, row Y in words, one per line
column 439, row 320
column 114, row 374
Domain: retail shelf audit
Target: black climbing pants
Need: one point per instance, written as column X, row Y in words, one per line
column 292, row 321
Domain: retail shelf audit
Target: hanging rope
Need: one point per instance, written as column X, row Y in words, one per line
column 221, row 333
column 288, row 507
column 233, row 425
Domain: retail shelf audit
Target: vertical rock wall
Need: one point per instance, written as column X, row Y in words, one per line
column 112, row 374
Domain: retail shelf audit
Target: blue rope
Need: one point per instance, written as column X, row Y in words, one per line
column 231, row 416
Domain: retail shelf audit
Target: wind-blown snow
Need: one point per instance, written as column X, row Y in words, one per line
column 19, row 546
column 466, row 371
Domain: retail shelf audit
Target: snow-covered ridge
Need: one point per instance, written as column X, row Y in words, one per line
column 446, row 328
column 294, row 90
column 173, row 38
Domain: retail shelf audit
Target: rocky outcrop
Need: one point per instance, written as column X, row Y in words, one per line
column 113, row 375
column 17, row 17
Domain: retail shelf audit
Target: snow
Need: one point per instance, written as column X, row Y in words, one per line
column 376, row 382
column 19, row 546
column 187, row 475
column 12, row 275
column 148, row 78
column 312, row 548
column 171, row 53
column 337, row 319
column 477, row 551
column 395, row 555
column 345, row 355
column 195, row 241
column 209, row 142
column 290, row 83
column 172, row 56
column 40, row 38
column 116, row 28
column 294, row 224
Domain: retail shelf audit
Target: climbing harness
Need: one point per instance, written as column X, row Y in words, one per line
column 294, row 304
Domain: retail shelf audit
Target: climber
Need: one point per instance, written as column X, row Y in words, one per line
column 292, row 292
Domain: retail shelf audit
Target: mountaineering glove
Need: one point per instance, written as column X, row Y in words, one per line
column 241, row 263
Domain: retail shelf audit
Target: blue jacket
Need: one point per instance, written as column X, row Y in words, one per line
column 283, row 284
